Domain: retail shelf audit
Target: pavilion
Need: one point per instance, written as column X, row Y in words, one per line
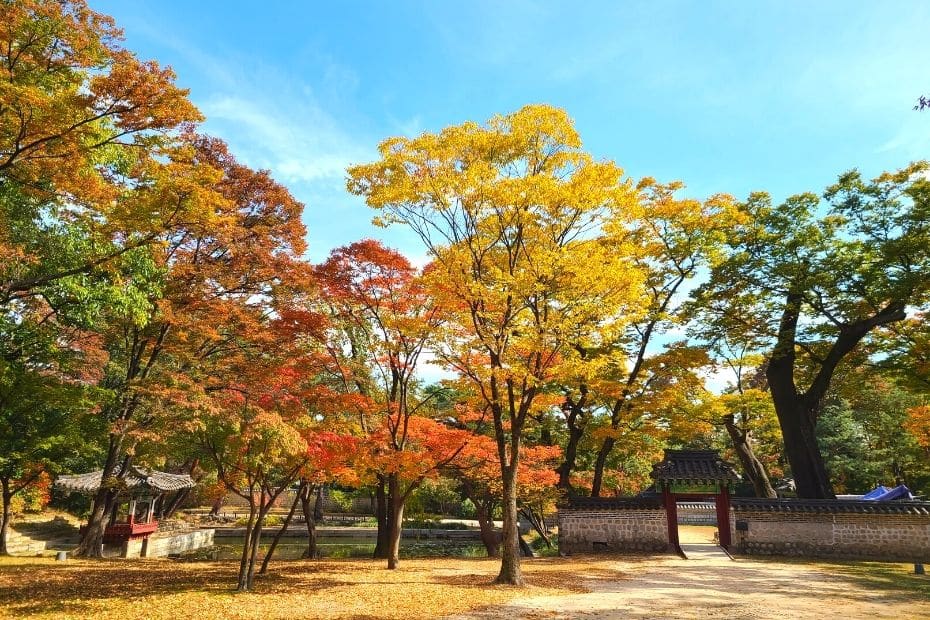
column 138, row 490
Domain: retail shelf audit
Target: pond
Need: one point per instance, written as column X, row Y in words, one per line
column 340, row 547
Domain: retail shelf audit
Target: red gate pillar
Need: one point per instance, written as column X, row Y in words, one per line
column 671, row 515
column 723, row 517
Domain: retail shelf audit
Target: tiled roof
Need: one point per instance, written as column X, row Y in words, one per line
column 615, row 503
column 831, row 506
column 693, row 466
column 137, row 481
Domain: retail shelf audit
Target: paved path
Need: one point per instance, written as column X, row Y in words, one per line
column 702, row 552
column 672, row 587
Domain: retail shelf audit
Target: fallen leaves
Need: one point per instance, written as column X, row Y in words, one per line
column 42, row 588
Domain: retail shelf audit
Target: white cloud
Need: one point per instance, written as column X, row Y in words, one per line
column 294, row 138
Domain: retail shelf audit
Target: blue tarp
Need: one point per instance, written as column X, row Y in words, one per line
column 876, row 492
column 884, row 494
column 899, row 492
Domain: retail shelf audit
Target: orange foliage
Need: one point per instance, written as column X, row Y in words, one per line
column 918, row 425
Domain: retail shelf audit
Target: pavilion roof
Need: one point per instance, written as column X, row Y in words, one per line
column 684, row 466
column 137, row 481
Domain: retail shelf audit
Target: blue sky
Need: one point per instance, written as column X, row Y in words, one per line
column 726, row 96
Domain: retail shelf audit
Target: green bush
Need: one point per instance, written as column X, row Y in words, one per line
column 432, row 524
column 341, row 499
column 270, row 521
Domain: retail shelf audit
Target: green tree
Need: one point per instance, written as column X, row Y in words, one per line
column 811, row 280
column 46, row 395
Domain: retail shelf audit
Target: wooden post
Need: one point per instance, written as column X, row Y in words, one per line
column 151, row 514
column 132, row 511
column 671, row 514
column 723, row 516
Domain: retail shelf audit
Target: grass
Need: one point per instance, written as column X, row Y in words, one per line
column 880, row 576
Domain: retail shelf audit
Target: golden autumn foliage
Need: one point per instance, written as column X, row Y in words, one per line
column 530, row 255
column 90, row 139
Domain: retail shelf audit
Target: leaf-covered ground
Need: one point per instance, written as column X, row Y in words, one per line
column 602, row 587
column 151, row 589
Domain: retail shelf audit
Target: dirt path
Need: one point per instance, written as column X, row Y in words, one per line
column 721, row 588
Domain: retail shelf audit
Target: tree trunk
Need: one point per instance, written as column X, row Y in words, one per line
column 538, row 522
column 807, row 466
column 249, row 560
column 395, row 520
column 91, row 545
column 242, row 582
column 169, row 508
column 489, row 537
column 283, row 530
column 6, row 496
column 382, row 515
column 575, row 432
column 599, row 464
column 752, row 466
column 510, row 572
column 310, row 518
column 256, row 543
column 318, row 503
column 798, row 412
column 217, row 506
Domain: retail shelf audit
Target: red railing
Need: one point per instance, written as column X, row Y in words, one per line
column 121, row 532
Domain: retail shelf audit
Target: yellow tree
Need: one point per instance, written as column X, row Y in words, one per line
column 677, row 237
column 529, row 254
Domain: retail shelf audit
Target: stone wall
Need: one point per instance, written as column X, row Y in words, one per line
column 170, row 544
column 158, row 547
column 590, row 530
column 844, row 530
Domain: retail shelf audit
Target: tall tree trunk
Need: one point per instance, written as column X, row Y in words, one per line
column 797, row 427
column 489, row 536
column 310, row 518
column 91, row 545
column 510, row 572
column 798, row 412
column 395, row 520
column 382, row 515
column 807, row 465
column 283, row 530
column 575, row 433
column 752, row 466
column 600, row 464
column 6, row 496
